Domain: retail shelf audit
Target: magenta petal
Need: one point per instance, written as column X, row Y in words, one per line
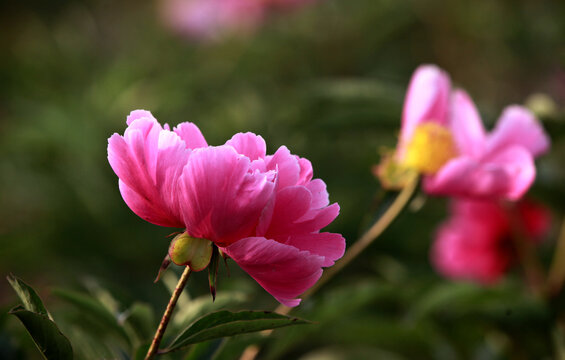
column 316, row 219
column 306, row 171
column 426, row 100
column 148, row 161
column 466, row 125
column 282, row 270
column 286, row 166
column 220, row 199
column 191, row 135
column 518, row 126
column 507, row 174
column 248, row 144
column 329, row 245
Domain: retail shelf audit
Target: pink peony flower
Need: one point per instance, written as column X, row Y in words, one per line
column 442, row 136
column 475, row 242
column 209, row 19
column 263, row 211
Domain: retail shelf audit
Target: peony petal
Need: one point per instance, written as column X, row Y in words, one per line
column 466, row 125
column 518, row 126
column 282, row 270
column 329, row 245
column 426, row 100
column 468, row 250
column 508, row 174
column 148, row 161
column 291, row 203
column 139, row 114
column 286, row 166
column 320, row 196
column 306, row 171
column 220, row 199
column 248, row 144
column 191, row 135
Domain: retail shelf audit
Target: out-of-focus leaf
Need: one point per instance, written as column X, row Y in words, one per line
column 190, row 311
column 205, row 350
column 95, row 309
column 31, row 301
column 141, row 319
column 141, row 351
column 226, row 323
column 45, row 333
column 440, row 296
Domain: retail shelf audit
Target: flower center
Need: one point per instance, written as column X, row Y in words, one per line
column 430, row 148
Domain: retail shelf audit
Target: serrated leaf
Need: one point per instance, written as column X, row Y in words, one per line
column 95, row 309
column 31, row 301
column 226, row 323
column 45, row 333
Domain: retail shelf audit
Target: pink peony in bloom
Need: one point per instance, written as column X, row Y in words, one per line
column 475, row 243
column 263, row 211
column 442, row 137
column 209, row 19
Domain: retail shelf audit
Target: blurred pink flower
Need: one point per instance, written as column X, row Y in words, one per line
column 442, row 136
column 208, row 19
column 475, row 242
column 263, row 211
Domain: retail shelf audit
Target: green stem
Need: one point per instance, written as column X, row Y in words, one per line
column 167, row 315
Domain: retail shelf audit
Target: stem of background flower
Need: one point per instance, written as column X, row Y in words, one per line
column 525, row 249
column 167, row 315
column 556, row 275
column 364, row 241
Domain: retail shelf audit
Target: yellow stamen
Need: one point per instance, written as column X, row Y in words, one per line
column 430, row 148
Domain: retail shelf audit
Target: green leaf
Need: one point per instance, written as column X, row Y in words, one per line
column 95, row 309
column 141, row 319
column 31, row 301
column 227, row 323
column 45, row 333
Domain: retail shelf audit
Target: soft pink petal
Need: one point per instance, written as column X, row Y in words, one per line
column 139, row 114
column 191, row 135
column 426, row 100
column 507, row 174
column 518, row 126
column 315, row 219
column 329, row 245
column 320, row 196
column 220, row 199
column 248, row 144
column 286, row 165
column 148, row 160
column 282, row 270
column 466, row 126
column 306, row 171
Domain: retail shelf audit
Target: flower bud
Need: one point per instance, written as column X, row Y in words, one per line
column 190, row 251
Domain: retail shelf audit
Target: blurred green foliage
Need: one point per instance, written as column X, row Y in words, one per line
column 328, row 82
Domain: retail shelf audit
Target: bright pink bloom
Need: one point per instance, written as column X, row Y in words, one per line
column 263, row 211
column 475, row 242
column 499, row 164
column 208, row 19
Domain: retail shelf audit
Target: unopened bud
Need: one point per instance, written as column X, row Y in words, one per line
column 190, row 251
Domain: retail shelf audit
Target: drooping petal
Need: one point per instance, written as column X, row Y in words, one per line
column 148, row 160
column 426, row 100
column 220, row 199
column 504, row 175
column 191, row 135
column 248, row 144
column 282, row 270
column 466, row 125
column 286, row 165
column 518, row 126
column 329, row 245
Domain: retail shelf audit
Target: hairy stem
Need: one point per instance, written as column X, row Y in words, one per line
column 167, row 315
